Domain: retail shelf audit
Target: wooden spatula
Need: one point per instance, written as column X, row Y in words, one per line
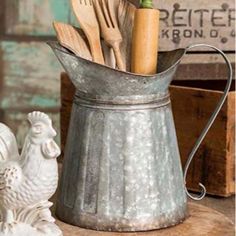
column 86, row 17
column 69, row 38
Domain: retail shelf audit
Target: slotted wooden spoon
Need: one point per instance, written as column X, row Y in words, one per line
column 69, row 38
column 109, row 27
column 86, row 17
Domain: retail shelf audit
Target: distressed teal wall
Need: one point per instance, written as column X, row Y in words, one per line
column 35, row 17
column 31, row 75
column 29, row 71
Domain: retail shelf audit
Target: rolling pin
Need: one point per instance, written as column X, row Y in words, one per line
column 145, row 35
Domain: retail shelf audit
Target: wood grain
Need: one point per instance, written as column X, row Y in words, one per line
column 204, row 67
column 202, row 221
column 70, row 38
column 86, row 17
column 125, row 14
column 2, row 18
column 110, row 32
column 187, row 22
column 145, row 41
column 213, row 164
column 230, row 143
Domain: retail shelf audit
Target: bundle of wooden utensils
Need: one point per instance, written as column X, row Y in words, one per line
column 113, row 33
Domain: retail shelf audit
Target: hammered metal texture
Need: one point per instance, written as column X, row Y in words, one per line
column 122, row 169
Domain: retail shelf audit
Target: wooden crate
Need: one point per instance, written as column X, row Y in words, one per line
column 192, row 107
column 204, row 66
column 193, row 103
column 187, row 22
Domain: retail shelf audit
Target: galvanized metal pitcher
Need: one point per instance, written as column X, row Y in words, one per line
column 122, row 169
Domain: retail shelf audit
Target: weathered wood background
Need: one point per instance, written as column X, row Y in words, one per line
column 34, row 17
column 30, row 73
column 186, row 22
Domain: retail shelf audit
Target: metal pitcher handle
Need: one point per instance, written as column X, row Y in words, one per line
column 210, row 122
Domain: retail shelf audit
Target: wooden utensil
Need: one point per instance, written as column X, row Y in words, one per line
column 126, row 12
column 109, row 27
column 69, row 38
column 86, row 17
column 109, row 56
column 145, row 40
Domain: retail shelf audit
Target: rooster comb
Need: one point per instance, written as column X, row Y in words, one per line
column 38, row 116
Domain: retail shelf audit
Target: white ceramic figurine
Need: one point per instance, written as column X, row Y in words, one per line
column 28, row 180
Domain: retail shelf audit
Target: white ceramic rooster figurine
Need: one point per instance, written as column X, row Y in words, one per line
column 28, row 180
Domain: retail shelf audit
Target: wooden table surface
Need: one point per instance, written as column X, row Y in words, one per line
column 203, row 221
column 224, row 205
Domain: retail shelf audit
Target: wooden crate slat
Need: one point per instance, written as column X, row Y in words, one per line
column 230, row 145
column 30, row 75
column 192, row 107
column 187, row 22
column 35, row 17
column 204, row 67
column 206, row 58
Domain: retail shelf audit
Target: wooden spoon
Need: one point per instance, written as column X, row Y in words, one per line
column 69, row 38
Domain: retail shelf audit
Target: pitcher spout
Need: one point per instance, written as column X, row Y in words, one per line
column 97, row 80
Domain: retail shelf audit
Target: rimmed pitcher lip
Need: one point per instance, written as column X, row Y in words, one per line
column 50, row 43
